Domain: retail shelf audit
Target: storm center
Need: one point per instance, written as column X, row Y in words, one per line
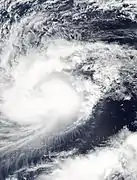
column 53, row 100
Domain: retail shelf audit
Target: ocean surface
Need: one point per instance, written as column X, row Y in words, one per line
column 68, row 90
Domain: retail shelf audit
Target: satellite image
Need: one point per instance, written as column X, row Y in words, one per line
column 68, row 89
